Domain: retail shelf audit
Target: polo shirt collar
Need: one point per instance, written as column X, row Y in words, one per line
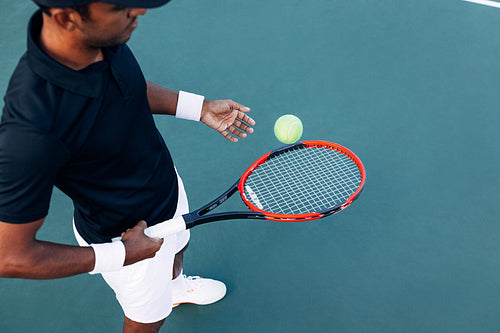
column 87, row 82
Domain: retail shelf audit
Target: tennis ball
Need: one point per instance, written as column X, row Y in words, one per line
column 288, row 128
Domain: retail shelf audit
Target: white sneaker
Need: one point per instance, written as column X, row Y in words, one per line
column 196, row 290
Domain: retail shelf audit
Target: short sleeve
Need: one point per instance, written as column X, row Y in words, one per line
column 29, row 163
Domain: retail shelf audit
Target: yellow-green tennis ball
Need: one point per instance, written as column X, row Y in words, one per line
column 288, row 128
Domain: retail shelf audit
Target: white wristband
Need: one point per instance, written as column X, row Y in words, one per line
column 189, row 106
column 109, row 257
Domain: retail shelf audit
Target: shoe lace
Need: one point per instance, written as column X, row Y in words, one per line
column 192, row 282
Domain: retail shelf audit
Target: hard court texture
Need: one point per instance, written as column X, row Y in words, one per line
column 412, row 87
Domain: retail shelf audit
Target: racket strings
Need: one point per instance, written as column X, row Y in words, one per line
column 303, row 180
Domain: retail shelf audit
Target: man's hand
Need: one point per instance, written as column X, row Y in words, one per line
column 227, row 117
column 138, row 246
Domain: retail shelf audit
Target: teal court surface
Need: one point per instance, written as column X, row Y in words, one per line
column 412, row 87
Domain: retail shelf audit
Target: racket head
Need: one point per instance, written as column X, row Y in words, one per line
column 303, row 181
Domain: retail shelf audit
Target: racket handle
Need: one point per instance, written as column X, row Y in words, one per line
column 166, row 228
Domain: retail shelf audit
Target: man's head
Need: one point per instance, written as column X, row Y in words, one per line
column 96, row 23
column 124, row 3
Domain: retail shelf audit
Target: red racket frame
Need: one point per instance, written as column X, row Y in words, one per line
column 307, row 216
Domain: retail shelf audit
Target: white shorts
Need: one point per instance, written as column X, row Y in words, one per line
column 144, row 289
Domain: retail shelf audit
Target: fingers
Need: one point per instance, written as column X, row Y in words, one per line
column 242, row 110
column 138, row 229
column 240, row 126
column 237, row 106
column 228, row 136
column 229, row 118
column 138, row 246
column 237, row 129
column 246, row 118
column 142, row 225
column 236, row 133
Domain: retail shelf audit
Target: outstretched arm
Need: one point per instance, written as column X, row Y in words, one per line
column 225, row 116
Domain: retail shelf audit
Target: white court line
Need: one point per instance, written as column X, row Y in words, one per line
column 486, row 3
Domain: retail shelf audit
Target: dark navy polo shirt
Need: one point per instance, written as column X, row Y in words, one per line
column 91, row 134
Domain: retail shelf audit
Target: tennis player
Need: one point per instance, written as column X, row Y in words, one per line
column 78, row 116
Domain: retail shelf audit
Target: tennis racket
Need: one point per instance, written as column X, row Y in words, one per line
column 300, row 182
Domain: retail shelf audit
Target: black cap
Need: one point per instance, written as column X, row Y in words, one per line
column 125, row 3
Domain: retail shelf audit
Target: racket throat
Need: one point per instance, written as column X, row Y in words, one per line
column 217, row 202
column 193, row 219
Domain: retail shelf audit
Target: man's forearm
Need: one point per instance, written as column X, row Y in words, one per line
column 43, row 260
column 162, row 100
column 23, row 256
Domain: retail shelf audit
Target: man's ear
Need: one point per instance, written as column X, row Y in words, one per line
column 64, row 18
